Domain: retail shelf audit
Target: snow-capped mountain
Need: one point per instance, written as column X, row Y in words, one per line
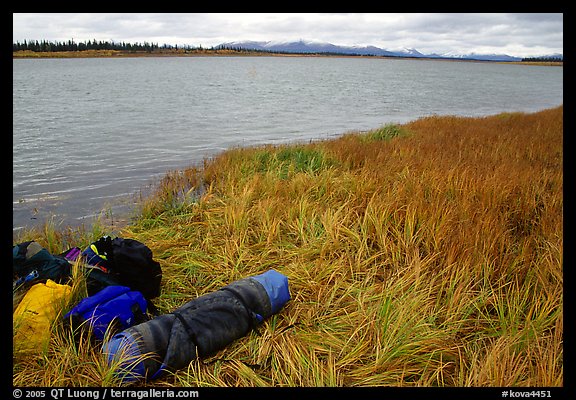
column 408, row 52
column 476, row 56
column 309, row 47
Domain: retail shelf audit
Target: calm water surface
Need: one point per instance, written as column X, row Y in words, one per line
column 92, row 133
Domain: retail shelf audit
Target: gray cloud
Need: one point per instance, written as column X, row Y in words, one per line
column 519, row 34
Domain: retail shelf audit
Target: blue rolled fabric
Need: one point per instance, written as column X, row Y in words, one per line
column 123, row 349
column 276, row 286
column 198, row 328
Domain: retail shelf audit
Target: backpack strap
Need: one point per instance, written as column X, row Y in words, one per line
column 189, row 330
column 253, row 317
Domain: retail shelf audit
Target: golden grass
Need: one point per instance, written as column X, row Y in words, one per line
column 430, row 255
column 65, row 54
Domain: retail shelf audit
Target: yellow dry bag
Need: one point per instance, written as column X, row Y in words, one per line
column 33, row 317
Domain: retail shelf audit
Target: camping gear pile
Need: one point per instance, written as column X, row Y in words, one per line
column 122, row 278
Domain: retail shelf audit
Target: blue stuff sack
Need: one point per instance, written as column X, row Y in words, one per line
column 114, row 308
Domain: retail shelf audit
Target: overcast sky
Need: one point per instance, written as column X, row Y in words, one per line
column 519, row 34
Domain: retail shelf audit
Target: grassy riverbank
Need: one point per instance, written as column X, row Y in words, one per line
column 426, row 254
column 229, row 53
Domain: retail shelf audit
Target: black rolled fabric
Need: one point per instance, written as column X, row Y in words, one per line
column 198, row 328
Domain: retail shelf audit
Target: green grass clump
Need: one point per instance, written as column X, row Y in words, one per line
column 387, row 132
column 287, row 161
column 434, row 259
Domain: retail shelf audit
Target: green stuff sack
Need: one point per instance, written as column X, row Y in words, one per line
column 32, row 263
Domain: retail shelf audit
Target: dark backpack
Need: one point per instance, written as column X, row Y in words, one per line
column 125, row 262
column 32, row 263
column 114, row 308
column 135, row 266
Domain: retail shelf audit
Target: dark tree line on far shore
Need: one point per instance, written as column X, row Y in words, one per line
column 543, row 59
column 71, row 45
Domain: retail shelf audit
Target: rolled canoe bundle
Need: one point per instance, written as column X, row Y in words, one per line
column 199, row 328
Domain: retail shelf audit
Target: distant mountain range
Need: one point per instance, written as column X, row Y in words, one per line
column 309, row 47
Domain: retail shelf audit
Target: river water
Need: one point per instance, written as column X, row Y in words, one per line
column 91, row 134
